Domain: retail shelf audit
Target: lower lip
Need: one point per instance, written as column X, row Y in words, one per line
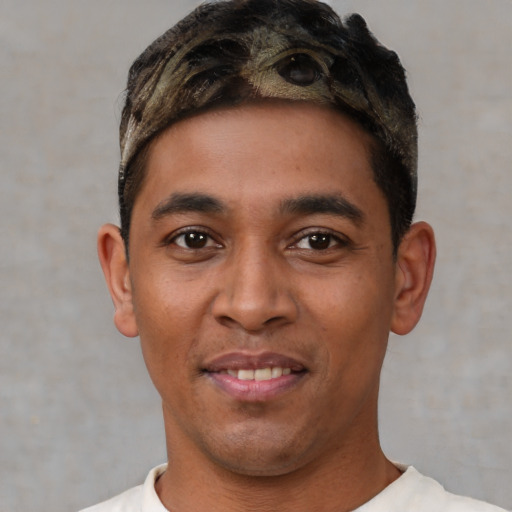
column 255, row 390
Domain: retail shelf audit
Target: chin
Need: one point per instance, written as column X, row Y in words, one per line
column 266, row 454
column 271, row 465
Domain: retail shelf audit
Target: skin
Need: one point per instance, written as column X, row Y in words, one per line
column 266, row 271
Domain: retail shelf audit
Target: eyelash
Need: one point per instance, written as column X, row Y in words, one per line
column 192, row 230
column 323, row 237
column 339, row 240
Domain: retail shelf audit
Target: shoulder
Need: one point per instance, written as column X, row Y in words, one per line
column 128, row 501
column 414, row 492
column 137, row 499
column 432, row 492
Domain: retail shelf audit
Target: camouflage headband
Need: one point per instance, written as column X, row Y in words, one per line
column 236, row 51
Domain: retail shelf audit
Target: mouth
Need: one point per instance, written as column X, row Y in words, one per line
column 267, row 373
column 255, row 378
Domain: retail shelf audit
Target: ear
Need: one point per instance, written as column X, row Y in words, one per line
column 414, row 271
column 112, row 255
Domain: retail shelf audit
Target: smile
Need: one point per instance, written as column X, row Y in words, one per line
column 259, row 374
column 255, row 377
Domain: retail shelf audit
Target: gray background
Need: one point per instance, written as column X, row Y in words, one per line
column 79, row 420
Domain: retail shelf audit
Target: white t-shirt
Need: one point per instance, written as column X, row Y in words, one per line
column 411, row 492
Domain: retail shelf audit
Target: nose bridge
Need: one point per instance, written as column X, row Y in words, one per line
column 255, row 292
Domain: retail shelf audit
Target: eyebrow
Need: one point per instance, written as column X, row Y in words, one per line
column 305, row 205
column 193, row 202
column 324, row 203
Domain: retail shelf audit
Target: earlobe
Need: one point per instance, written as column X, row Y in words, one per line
column 414, row 271
column 112, row 256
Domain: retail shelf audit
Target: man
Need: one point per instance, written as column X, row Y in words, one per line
column 267, row 187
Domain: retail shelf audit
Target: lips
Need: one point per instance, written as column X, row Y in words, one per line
column 255, row 377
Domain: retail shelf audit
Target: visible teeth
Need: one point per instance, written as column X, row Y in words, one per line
column 259, row 374
column 246, row 374
column 277, row 372
column 263, row 374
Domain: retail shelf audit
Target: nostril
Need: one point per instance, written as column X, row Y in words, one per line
column 273, row 320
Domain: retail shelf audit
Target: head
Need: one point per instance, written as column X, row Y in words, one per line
column 233, row 52
column 267, row 186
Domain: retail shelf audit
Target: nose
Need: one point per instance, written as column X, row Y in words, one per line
column 255, row 293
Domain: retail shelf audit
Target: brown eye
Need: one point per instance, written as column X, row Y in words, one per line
column 193, row 240
column 299, row 69
column 318, row 241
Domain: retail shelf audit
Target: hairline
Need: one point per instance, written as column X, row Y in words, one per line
column 374, row 147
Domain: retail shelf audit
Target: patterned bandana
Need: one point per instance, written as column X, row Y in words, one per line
column 226, row 53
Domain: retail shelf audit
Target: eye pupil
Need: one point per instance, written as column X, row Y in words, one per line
column 319, row 241
column 195, row 240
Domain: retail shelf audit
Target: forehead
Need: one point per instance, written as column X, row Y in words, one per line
column 259, row 166
column 252, row 160
column 294, row 142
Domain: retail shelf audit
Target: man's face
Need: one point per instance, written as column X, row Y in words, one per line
column 263, row 285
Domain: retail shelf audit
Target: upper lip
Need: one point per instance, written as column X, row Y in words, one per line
column 244, row 360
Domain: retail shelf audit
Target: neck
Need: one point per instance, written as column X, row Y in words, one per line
column 340, row 481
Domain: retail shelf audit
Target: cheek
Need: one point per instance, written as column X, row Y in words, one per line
column 163, row 303
column 354, row 295
column 170, row 312
column 157, row 314
column 353, row 313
